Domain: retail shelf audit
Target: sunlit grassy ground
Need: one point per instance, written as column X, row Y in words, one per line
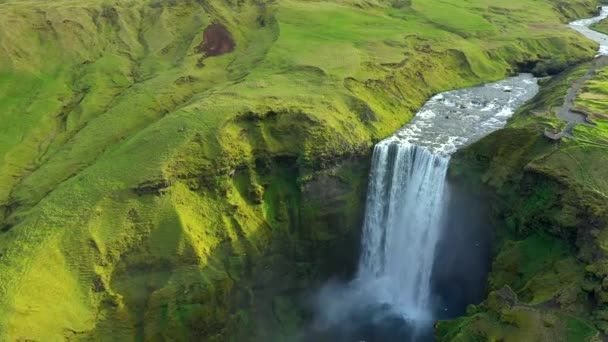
column 146, row 195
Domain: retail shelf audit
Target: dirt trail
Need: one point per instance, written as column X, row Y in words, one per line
column 567, row 112
column 571, row 115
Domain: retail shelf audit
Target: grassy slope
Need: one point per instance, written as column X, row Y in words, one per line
column 601, row 26
column 550, row 205
column 145, row 196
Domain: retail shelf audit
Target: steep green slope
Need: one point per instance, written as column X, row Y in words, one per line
column 548, row 280
column 179, row 170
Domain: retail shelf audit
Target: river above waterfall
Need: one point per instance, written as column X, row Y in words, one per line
column 456, row 118
column 583, row 26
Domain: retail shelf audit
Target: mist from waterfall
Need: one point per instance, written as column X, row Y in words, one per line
column 405, row 215
column 403, row 221
column 401, row 287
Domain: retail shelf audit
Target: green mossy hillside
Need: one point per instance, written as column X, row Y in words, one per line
column 601, row 26
column 149, row 191
column 548, row 280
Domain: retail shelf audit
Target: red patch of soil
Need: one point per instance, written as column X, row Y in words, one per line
column 217, row 41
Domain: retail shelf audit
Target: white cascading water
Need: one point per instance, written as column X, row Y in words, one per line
column 407, row 193
column 403, row 223
column 405, row 212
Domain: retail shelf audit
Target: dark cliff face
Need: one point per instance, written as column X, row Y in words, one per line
column 464, row 253
column 315, row 229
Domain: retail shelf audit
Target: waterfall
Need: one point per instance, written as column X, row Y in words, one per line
column 402, row 226
column 409, row 212
column 408, row 196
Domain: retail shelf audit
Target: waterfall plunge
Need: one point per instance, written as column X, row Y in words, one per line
column 403, row 223
column 407, row 195
column 392, row 298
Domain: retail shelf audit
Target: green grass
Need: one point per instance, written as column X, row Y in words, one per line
column 128, row 172
column 539, row 268
column 517, row 324
column 601, row 26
